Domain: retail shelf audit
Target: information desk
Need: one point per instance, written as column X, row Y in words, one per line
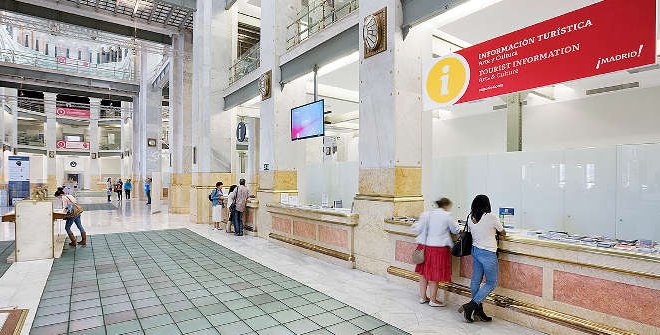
column 322, row 232
column 37, row 230
column 543, row 283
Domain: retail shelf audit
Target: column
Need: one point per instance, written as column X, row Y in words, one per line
column 514, row 107
column 211, row 152
column 252, row 171
column 50, row 107
column 126, row 139
column 92, row 178
column 181, row 123
column 390, row 146
column 8, row 99
column 276, row 170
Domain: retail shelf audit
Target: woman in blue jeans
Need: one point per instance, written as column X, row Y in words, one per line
column 484, row 227
column 67, row 200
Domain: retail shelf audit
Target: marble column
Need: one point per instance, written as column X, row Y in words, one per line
column 126, row 139
column 390, row 145
column 92, row 177
column 252, row 170
column 50, row 107
column 276, row 164
column 180, row 123
column 9, row 100
column 212, row 126
column 514, row 113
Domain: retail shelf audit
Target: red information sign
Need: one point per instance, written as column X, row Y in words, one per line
column 62, row 144
column 73, row 112
column 608, row 36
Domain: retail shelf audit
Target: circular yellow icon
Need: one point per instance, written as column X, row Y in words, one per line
column 448, row 79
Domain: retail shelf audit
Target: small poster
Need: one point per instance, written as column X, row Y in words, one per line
column 18, row 170
column 507, row 215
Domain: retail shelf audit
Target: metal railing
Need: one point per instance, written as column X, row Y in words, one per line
column 61, row 63
column 31, row 140
column 246, row 63
column 109, row 112
column 315, row 18
column 31, row 104
column 107, row 146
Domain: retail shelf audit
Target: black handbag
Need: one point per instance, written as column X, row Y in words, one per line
column 463, row 245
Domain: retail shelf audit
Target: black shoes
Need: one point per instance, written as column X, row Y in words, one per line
column 467, row 310
column 480, row 315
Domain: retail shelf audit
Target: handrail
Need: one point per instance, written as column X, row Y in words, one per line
column 61, row 63
column 315, row 19
column 246, row 63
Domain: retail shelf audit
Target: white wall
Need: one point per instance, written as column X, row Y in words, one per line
column 110, row 166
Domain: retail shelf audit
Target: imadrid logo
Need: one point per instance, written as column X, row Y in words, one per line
column 448, row 79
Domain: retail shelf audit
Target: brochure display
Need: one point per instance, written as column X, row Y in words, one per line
column 18, row 168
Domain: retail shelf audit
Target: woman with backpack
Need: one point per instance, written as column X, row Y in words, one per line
column 433, row 238
column 73, row 210
column 484, row 226
column 217, row 201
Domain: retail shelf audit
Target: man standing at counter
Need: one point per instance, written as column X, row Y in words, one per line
column 242, row 194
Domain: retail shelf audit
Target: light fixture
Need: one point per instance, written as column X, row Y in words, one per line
column 460, row 11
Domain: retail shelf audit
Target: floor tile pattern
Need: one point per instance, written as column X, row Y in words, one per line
column 177, row 282
column 6, row 248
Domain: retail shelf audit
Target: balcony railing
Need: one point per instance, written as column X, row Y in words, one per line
column 31, row 104
column 31, row 140
column 108, row 112
column 246, row 63
column 114, row 70
column 107, row 146
column 315, row 18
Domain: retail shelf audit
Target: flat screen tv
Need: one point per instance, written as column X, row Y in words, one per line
column 307, row 121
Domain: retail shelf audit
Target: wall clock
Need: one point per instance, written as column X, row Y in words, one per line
column 374, row 33
column 265, row 85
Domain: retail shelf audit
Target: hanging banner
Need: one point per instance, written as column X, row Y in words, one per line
column 608, row 36
column 72, row 112
column 75, row 145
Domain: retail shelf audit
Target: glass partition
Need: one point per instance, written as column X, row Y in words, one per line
column 613, row 191
column 337, row 180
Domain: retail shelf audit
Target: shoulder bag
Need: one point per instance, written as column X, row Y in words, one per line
column 463, row 245
column 418, row 254
column 75, row 209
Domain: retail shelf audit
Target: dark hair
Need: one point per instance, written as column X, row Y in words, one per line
column 480, row 206
column 242, row 181
column 218, row 184
column 60, row 191
column 232, row 188
column 443, row 202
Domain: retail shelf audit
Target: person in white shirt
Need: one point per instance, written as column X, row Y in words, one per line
column 484, row 226
column 433, row 236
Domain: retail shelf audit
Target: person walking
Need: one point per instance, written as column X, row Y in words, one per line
column 217, row 203
column 240, row 205
column 433, row 236
column 128, row 186
column 147, row 189
column 108, row 188
column 119, row 189
column 484, row 226
column 68, row 202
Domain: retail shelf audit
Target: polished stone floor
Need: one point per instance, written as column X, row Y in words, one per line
column 391, row 300
column 6, row 249
column 159, row 283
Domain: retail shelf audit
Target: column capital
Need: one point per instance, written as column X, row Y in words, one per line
column 94, row 101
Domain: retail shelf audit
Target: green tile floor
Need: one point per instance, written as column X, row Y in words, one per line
column 6, row 248
column 177, row 282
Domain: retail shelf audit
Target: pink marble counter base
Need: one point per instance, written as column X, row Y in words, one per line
column 513, row 276
column 403, row 251
column 627, row 301
column 333, row 236
column 304, row 230
column 282, row 224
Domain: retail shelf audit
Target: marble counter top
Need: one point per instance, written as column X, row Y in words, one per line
column 333, row 215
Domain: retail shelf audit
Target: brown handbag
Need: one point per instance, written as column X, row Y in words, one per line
column 77, row 210
column 418, row 254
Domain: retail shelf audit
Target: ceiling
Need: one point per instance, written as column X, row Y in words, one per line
column 159, row 12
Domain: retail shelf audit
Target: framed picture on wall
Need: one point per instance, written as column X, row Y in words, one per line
column 151, row 142
column 51, row 154
column 94, row 155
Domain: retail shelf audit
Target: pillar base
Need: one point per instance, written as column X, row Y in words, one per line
column 202, row 184
column 179, row 193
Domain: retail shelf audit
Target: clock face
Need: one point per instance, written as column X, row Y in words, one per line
column 263, row 85
column 370, row 32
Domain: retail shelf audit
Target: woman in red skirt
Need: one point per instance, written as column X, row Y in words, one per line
column 433, row 235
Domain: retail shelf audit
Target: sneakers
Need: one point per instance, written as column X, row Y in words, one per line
column 436, row 304
column 423, row 301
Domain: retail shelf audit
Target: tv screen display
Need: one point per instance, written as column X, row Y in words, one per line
column 307, row 121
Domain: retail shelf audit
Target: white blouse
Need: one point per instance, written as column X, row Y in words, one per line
column 483, row 232
column 440, row 224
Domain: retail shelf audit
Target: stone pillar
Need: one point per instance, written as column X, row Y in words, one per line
column 92, row 176
column 390, row 137
column 252, row 171
column 50, row 107
column 211, row 125
column 181, row 124
column 126, row 139
column 9, row 100
column 276, row 170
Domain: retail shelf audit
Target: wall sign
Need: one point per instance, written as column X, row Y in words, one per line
column 18, row 170
column 72, row 112
column 74, row 145
column 608, row 36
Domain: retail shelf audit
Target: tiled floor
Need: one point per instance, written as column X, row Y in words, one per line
column 158, row 283
column 6, row 248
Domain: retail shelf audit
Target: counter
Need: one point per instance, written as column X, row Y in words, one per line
column 321, row 232
column 545, row 283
